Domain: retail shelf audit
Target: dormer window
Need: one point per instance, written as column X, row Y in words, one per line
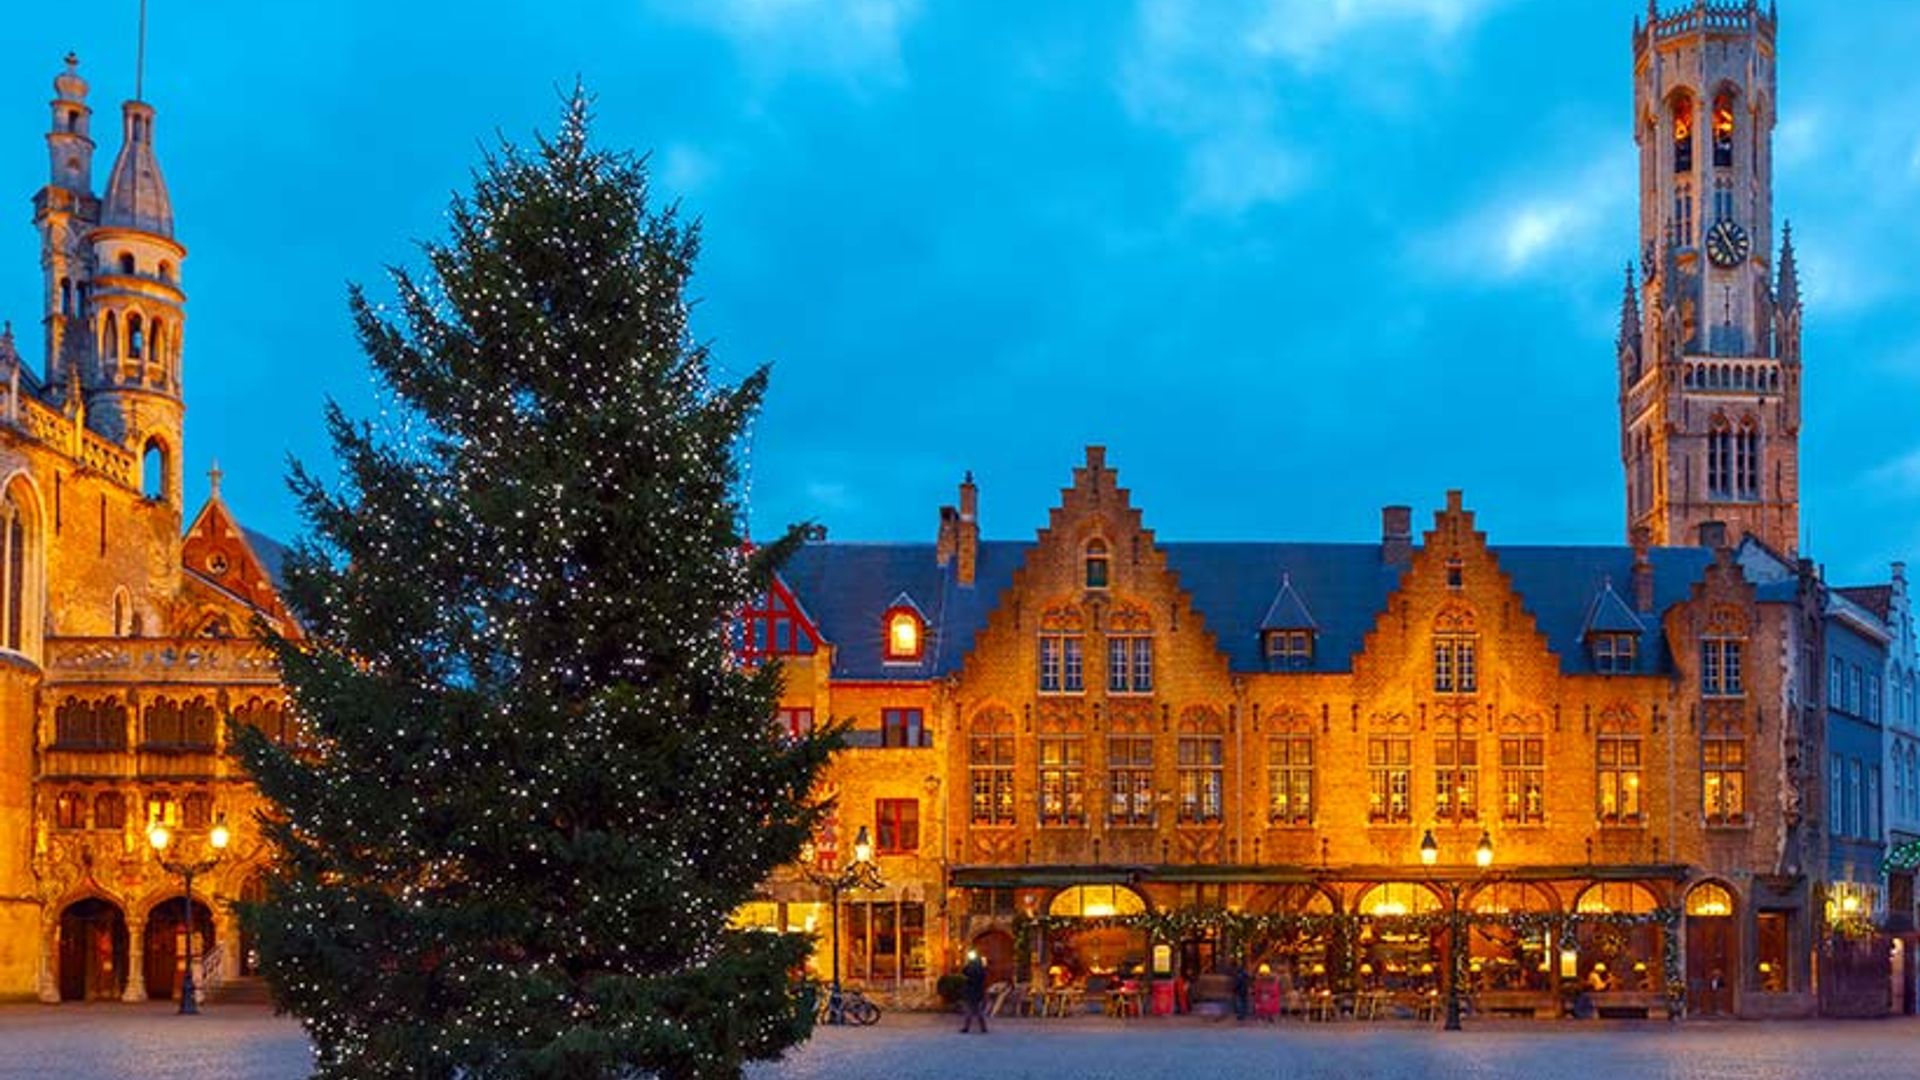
column 1613, row 654
column 1290, row 649
column 1096, row 564
column 905, row 635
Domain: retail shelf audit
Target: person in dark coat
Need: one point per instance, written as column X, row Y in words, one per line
column 973, row 994
column 1241, row 991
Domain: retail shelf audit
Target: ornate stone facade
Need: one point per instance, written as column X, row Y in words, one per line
column 125, row 642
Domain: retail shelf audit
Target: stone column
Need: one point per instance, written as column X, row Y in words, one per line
column 49, row 982
column 136, row 961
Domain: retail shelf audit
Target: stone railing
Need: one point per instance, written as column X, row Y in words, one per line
column 1732, row 375
column 48, row 426
column 134, row 660
column 1716, row 16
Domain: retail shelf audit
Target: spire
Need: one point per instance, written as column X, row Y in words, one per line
column 1788, row 293
column 213, row 480
column 136, row 192
column 1629, row 316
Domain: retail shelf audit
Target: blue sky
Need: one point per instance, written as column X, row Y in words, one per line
column 1290, row 260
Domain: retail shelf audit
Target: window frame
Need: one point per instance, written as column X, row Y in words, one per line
column 1456, row 663
column 1200, row 763
column 1130, row 781
column 1061, row 776
column 1526, row 774
column 1130, row 664
column 910, row 721
column 896, row 826
column 1389, row 779
column 1613, row 774
column 1290, row 779
column 902, row 615
column 991, row 801
column 1716, row 769
column 1456, row 777
column 1722, row 667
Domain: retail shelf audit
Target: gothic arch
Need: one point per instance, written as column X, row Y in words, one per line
column 23, row 586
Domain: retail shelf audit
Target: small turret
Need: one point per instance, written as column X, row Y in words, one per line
column 1787, row 300
column 1628, row 341
column 69, row 138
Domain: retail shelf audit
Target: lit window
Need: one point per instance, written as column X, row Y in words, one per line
column 903, row 634
column 1456, row 778
column 1454, row 664
column 1523, row 782
column 1618, row 774
column 1063, row 791
column 793, row 724
column 896, row 826
column 1723, row 132
column 1683, row 134
column 1290, row 779
column 1389, row 779
column 1723, row 780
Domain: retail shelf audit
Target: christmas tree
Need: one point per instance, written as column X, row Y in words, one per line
column 534, row 784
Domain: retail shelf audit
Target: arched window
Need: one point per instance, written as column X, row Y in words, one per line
column 126, row 262
column 906, row 637
column 160, row 341
column 1723, row 131
column 166, row 271
column 1708, row 900
column 109, row 810
column 136, row 338
column 1096, row 564
column 17, row 567
column 1616, row 898
column 110, row 336
column 73, row 119
column 1096, row 902
column 66, row 296
column 1397, row 898
column 1682, row 134
column 1719, row 459
column 122, row 612
column 70, row 810
column 1747, row 464
column 153, row 471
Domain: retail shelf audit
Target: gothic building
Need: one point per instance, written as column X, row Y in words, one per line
column 123, row 636
column 1247, row 746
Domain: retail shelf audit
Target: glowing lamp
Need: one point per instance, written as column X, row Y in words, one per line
column 1429, row 850
column 1483, row 851
column 1849, row 903
column 862, row 846
column 158, row 836
column 219, row 836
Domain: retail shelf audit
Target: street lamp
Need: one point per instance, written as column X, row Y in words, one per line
column 1456, row 928
column 158, row 837
column 862, row 873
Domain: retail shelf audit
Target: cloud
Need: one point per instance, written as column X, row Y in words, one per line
column 1304, row 31
column 684, row 170
column 849, row 38
column 1900, row 475
column 1561, row 216
column 1216, row 74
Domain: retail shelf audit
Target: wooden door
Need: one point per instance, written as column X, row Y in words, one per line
column 1712, row 964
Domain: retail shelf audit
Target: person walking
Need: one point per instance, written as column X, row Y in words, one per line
column 973, row 994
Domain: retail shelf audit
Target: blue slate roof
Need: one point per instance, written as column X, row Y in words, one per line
column 1236, row 587
column 1288, row 611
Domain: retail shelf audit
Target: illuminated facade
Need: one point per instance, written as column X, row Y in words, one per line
column 1244, row 745
column 123, row 647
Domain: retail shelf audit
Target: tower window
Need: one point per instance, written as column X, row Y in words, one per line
column 153, row 471
column 1096, row 564
column 126, row 263
column 110, row 337
column 136, row 337
column 1723, row 132
column 73, row 119
column 66, row 296
column 1683, row 213
column 1683, row 135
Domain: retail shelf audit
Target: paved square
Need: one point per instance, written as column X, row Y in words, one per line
column 250, row 1043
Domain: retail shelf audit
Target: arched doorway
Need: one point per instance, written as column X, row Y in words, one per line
column 253, row 892
column 1713, row 950
column 996, row 951
column 1501, row 958
column 165, row 956
column 93, row 951
column 1298, row 951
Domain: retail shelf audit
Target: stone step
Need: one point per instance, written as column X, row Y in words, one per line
column 242, row 990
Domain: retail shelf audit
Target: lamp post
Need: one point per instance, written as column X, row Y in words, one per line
column 862, row 873
column 1456, row 930
column 159, row 837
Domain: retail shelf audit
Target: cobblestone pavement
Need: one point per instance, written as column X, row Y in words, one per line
column 247, row 1042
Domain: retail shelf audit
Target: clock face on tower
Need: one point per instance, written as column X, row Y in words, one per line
column 1727, row 243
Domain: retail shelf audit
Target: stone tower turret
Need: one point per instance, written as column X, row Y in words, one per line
column 1710, row 399
column 137, row 310
column 65, row 211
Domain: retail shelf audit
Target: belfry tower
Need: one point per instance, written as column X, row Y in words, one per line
column 1709, row 345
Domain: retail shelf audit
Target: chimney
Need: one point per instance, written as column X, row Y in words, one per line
column 1642, row 568
column 948, row 537
column 966, row 532
column 1713, row 535
column 1396, row 535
